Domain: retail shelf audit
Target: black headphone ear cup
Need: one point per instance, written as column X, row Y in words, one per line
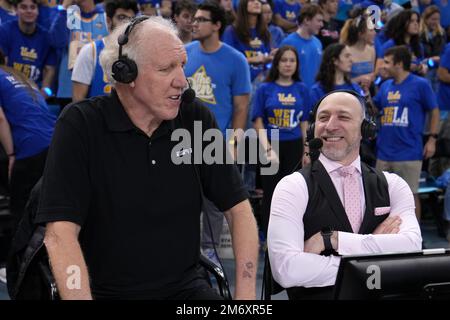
column 368, row 129
column 123, row 39
column 124, row 70
column 310, row 131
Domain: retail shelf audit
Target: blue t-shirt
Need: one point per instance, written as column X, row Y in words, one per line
column 403, row 108
column 6, row 16
column 344, row 7
column 380, row 40
column 46, row 15
column 443, row 94
column 30, row 120
column 28, row 54
column 391, row 43
column 282, row 108
column 318, row 91
column 100, row 85
column 255, row 47
column 310, row 56
column 216, row 78
column 286, row 10
column 88, row 27
column 276, row 35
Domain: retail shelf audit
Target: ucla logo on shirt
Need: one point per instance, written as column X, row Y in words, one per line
column 255, row 43
column 290, row 15
column 82, row 36
column 394, row 97
column 99, row 25
column 394, row 116
column 30, row 71
column 203, row 86
column 284, row 118
column 28, row 54
column 288, row 100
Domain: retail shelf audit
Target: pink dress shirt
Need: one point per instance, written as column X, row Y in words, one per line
column 292, row 267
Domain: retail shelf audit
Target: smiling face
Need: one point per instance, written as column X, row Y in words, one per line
column 315, row 24
column 27, row 11
column 391, row 69
column 161, row 78
column 338, row 124
column 433, row 21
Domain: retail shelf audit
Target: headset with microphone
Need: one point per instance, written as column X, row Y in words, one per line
column 125, row 70
column 368, row 126
column 188, row 95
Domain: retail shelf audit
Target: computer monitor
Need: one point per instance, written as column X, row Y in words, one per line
column 415, row 275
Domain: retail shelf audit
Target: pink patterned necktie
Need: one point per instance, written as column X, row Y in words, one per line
column 352, row 196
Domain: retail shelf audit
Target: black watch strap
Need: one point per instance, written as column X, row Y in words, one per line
column 327, row 241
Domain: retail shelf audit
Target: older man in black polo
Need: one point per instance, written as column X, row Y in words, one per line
column 115, row 204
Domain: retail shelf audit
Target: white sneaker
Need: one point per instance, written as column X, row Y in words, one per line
column 3, row 275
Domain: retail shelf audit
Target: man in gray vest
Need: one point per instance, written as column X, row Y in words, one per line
column 337, row 206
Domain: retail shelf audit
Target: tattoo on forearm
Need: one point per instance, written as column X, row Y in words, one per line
column 248, row 270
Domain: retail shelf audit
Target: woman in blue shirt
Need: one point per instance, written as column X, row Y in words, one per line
column 249, row 35
column 281, row 106
column 404, row 30
column 359, row 39
column 334, row 72
column 26, row 128
column 433, row 39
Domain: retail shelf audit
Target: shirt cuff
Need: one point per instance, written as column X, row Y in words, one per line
column 349, row 243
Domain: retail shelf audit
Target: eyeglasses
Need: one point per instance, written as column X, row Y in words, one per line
column 200, row 20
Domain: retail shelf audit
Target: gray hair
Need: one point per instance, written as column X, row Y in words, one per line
column 136, row 39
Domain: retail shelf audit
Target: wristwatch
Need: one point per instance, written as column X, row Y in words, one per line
column 434, row 135
column 326, row 233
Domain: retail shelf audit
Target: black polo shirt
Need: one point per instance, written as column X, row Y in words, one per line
column 138, row 211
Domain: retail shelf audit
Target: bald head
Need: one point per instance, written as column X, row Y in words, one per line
column 348, row 101
column 338, row 124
